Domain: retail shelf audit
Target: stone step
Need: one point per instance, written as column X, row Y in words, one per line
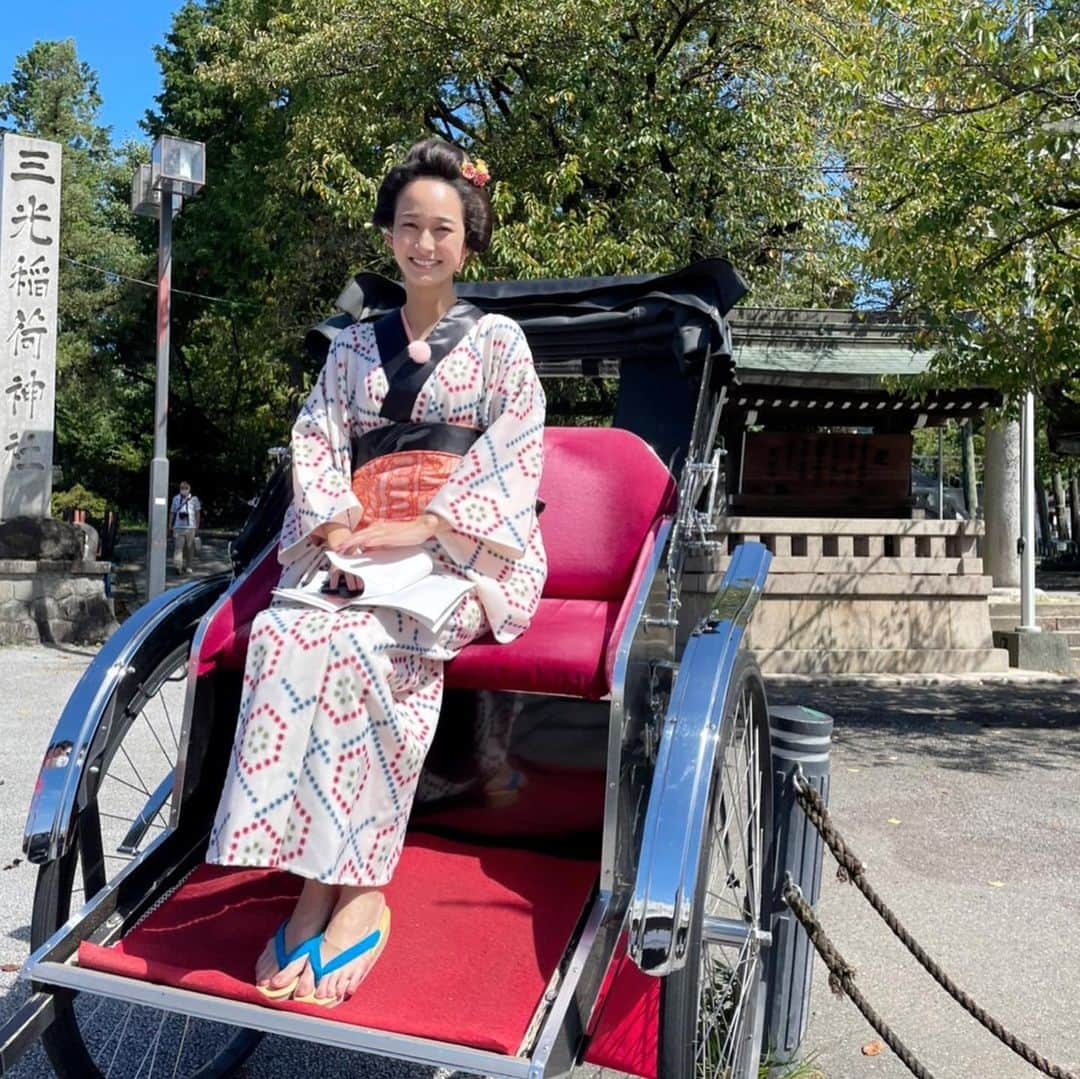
column 882, row 661
column 1058, row 623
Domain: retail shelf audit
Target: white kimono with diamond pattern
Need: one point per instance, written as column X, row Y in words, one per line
column 338, row 711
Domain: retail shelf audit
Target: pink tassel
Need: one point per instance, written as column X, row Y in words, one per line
column 419, row 351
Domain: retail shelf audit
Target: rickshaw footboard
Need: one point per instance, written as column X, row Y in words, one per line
column 477, row 930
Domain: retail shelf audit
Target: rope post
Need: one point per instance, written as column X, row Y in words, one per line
column 801, row 739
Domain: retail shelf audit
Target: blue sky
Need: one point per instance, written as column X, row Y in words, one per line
column 115, row 37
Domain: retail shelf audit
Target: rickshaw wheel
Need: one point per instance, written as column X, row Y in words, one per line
column 93, row 1037
column 712, row 1010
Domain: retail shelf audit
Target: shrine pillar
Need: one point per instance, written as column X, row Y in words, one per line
column 29, row 264
column 1001, row 500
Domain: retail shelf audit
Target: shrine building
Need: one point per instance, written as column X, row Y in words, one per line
column 817, row 431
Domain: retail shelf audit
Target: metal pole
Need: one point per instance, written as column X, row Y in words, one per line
column 941, row 473
column 1027, row 515
column 1027, row 435
column 800, row 741
column 158, row 516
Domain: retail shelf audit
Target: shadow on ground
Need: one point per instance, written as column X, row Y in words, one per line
column 988, row 728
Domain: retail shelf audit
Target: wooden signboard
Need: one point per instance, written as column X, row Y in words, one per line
column 823, row 475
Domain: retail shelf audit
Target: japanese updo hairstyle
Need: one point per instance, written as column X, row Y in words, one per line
column 439, row 160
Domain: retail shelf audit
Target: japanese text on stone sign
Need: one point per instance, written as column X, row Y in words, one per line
column 29, row 244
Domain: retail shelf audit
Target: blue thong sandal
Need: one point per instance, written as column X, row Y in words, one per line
column 309, row 948
column 374, row 942
column 508, row 793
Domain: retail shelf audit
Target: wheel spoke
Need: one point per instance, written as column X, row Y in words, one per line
column 169, row 760
column 152, row 1048
column 120, row 1039
column 101, row 1038
column 730, row 967
column 180, row 1051
column 142, row 783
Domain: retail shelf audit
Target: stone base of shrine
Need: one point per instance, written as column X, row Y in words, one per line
column 847, row 596
column 54, row 602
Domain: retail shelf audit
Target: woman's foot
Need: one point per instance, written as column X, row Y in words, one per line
column 504, row 787
column 309, row 918
column 359, row 913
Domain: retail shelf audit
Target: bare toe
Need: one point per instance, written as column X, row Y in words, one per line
column 306, row 986
column 265, row 965
column 287, row 974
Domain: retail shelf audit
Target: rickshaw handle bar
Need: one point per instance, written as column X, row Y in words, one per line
column 662, row 902
column 53, row 805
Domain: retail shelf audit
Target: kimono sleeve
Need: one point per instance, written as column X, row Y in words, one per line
column 321, row 458
column 491, row 495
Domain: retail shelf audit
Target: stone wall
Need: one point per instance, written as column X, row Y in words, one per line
column 54, row 602
column 853, row 596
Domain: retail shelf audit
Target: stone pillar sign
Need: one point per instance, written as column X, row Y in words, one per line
column 29, row 265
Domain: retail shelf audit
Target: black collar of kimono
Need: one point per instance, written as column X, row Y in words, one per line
column 405, row 377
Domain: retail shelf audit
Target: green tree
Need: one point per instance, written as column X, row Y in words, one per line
column 272, row 257
column 962, row 139
column 622, row 137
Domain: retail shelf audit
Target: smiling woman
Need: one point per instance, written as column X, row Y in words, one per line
column 425, row 429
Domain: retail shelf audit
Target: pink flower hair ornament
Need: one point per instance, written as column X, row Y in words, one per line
column 476, row 172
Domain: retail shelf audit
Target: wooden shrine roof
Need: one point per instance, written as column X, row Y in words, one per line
column 812, row 347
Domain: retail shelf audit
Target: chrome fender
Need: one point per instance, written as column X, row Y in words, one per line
column 661, row 904
column 55, row 801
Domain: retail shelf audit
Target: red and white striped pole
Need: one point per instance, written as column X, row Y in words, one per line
column 158, row 516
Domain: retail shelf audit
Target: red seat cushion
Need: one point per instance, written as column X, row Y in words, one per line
column 603, row 489
column 563, row 651
column 233, row 649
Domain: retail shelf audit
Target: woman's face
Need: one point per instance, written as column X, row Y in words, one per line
column 428, row 238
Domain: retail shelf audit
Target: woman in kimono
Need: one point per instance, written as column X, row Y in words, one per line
column 424, row 428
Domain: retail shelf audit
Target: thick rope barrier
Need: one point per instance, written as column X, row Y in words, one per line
column 842, row 979
column 852, row 869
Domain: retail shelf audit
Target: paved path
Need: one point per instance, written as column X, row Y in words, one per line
column 962, row 799
column 960, row 796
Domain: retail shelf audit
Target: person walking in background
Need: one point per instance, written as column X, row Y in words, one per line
column 185, row 519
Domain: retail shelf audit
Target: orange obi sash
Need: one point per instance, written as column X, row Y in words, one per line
column 398, row 486
column 398, row 468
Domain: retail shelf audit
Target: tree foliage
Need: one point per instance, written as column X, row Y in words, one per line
column 623, row 136
column 902, row 153
column 963, row 141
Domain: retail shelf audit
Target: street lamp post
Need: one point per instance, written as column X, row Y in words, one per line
column 177, row 170
column 1028, row 624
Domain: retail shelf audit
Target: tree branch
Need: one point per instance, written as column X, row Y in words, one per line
column 1016, row 241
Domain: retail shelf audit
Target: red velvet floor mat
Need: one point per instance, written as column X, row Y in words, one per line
column 627, row 1035
column 477, row 933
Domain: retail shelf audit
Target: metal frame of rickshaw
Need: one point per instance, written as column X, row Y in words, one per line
column 649, row 865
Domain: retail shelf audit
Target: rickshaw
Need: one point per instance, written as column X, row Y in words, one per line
column 615, row 914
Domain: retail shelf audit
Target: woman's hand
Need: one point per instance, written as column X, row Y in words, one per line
column 340, row 538
column 412, row 533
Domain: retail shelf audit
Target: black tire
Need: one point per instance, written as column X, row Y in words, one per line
column 712, row 1010
column 92, row 1037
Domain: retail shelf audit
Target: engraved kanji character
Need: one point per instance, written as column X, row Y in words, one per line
column 28, row 333
column 31, row 212
column 25, row 391
column 32, row 164
column 30, row 277
column 22, row 449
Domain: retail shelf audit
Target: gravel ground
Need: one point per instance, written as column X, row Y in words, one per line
column 959, row 795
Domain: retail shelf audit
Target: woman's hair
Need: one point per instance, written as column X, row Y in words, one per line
column 439, row 160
